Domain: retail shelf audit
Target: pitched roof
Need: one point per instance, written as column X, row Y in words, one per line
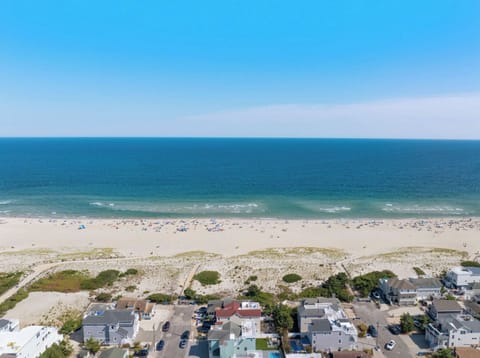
column 228, row 329
column 446, row 305
column 249, row 313
column 467, row 352
column 400, row 284
column 113, row 353
column 426, row 282
column 110, row 317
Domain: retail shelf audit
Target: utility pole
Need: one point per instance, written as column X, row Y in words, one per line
column 153, row 344
column 378, row 334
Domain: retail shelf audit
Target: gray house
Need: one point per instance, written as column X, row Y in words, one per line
column 324, row 324
column 427, row 287
column 442, row 308
column 400, row 292
column 230, row 340
column 111, row 326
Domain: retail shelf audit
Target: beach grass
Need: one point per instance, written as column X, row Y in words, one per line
column 9, row 280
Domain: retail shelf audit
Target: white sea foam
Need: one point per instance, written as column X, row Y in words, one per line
column 182, row 208
column 333, row 210
column 423, row 209
column 5, row 202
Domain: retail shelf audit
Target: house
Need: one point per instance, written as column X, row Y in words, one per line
column 427, row 288
column 114, row 353
column 462, row 277
column 9, row 325
column 144, row 308
column 453, row 331
column 324, row 324
column 230, row 340
column 466, row 352
column 110, row 326
column 401, row 292
column 29, row 342
column 473, row 306
column 244, row 313
column 441, row 308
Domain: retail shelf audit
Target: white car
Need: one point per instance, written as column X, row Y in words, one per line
column 390, row 345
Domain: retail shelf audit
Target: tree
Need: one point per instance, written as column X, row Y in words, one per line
column 253, row 291
column 443, row 353
column 60, row 350
column 362, row 330
column 92, row 345
column 282, row 318
column 189, row 293
column 406, row 323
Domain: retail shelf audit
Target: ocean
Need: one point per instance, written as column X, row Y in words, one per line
column 254, row 178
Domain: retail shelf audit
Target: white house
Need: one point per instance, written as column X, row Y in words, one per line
column 29, row 342
column 462, row 277
column 453, row 331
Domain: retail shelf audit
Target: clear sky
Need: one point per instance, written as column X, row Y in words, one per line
column 408, row 69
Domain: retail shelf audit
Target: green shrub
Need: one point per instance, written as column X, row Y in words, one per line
column 161, row 298
column 104, row 278
column 130, row 288
column 71, row 325
column 406, row 323
column 104, row 297
column 470, row 264
column 419, row 271
column 364, row 284
column 291, row 278
column 208, row 277
column 131, row 272
column 61, row 350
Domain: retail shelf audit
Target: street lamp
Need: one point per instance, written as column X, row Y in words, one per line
column 153, row 343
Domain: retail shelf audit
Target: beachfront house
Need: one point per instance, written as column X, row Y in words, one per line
column 442, row 308
column 397, row 291
column 427, row 287
column 462, row 277
column 111, row 326
column 245, row 314
column 230, row 340
column 144, row 308
column 325, row 326
column 453, row 331
column 29, row 342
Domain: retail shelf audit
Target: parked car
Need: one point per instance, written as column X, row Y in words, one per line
column 143, row 352
column 160, row 345
column 390, row 345
column 166, row 326
column 372, row 331
column 395, row 329
column 375, row 294
column 185, row 335
column 183, row 343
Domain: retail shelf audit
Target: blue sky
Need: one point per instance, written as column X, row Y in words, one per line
column 240, row 68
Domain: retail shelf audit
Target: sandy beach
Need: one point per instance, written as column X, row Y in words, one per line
column 168, row 252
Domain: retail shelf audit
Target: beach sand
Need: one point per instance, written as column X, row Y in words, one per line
column 168, row 252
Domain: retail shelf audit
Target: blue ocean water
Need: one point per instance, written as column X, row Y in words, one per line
column 285, row 178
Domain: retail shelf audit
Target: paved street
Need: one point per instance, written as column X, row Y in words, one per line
column 370, row 314
column 180, row 321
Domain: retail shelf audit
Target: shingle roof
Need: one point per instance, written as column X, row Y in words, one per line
column 400, row 284
column 426, row 282
column 349, row 354
column 446, row 305
column 224, row 333
column 467, row 352
column 110, row 317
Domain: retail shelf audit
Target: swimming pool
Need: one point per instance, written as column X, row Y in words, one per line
column 274, row 355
